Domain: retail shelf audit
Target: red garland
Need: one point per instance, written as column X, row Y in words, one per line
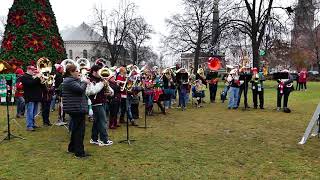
column 7, row 42
column 42, row 2
column 16, row 18
column 43, row 19
column 57, row 44
column 35, row 41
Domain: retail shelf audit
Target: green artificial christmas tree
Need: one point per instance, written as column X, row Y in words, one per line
column 31, row 32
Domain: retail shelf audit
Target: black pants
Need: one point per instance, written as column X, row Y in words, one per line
column 45, row 108
column 302, row 85
column 285, row 94
column 77, row 134
column 135, row 111
column 243, row 89
column 161, row 107
column 213, row 91
column 255, row 94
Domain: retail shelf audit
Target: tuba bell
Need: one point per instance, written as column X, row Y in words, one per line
column 84, row 66
column 66, row 62
column 44, row 67
column 105, row 74
column 214, row 63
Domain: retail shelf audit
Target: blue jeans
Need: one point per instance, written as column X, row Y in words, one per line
column 20, row 106
column 99, row 123
column 169, row 92
column 234, row 96
column 53, row 103
column 32, row 110
column 182, row 98
column 126, row 108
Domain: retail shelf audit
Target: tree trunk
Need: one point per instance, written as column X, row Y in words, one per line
column 255, row 54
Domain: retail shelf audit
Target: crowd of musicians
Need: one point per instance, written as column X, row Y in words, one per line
column 108, row 95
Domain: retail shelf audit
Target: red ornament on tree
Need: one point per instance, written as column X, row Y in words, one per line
column 42, row 2
column 7, row 42
column 34, row 41
column 17, row 18
column 43, row 19
column 57, row 44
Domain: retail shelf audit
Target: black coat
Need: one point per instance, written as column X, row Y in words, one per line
column 32, row 88
column 74, row 99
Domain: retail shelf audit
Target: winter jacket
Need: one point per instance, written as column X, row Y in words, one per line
column 74, row 99
column 97, row 91
column 32, row 88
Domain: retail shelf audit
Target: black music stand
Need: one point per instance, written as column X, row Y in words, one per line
column 145, row 118
column 128, row 140
column 9, row 135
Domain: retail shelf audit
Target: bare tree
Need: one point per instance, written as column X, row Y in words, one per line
column 252, row 17
column 191, row 31
column 115, row 28
column 147, row 55
column 139, row 33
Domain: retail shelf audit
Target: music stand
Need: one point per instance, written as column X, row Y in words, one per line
column 127, row 140
column 145, row 118
column 9, row 135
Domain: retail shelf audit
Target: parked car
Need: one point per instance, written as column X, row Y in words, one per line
column 313, row 72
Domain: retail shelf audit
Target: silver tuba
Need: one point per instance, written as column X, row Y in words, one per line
column 84, row 66
column 66, row 62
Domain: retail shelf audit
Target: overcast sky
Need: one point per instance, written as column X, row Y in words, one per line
column 74, row 12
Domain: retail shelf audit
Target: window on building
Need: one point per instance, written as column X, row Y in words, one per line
column 70, row 54
column 85, row 54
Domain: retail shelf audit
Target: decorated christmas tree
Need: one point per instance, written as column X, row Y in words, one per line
column 31, row 32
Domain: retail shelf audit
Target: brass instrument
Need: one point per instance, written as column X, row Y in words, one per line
column 66, row 62
column 105, row 74
column 5, row 67
column 44, row 67
column 84, row 66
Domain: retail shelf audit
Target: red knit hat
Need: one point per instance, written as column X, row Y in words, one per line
column 19, row 71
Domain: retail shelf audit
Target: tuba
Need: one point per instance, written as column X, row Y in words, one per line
column 84, row 66
column 105, row 74
column 214, row 63
column 44, row 67
column 66, row 62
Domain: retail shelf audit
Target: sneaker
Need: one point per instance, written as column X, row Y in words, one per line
column 108, row 143
column 30, row 129
column 60, row 123
column 278, row 108
column 94, row 142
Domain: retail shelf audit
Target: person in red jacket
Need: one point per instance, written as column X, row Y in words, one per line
column 19, row 94
column 303, row 80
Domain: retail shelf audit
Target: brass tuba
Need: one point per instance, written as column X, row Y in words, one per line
column 44, row 67
column 105, row 74
column 84, row 66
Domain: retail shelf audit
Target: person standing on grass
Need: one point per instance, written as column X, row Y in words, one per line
column 75, row 104
column 19, row 99
column 233, row 79
column 32, row 88
column 114, row 103
column 257, row 88
column 303, row 80
column 98, row 96
column 284, row 89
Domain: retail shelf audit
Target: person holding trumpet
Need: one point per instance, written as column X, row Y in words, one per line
column 98, row 93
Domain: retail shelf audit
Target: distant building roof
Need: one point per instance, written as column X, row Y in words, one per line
column 81, row 33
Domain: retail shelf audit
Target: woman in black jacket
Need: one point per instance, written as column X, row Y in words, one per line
column 76, row 105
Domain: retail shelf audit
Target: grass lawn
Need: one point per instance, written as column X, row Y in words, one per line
column 207, row 143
